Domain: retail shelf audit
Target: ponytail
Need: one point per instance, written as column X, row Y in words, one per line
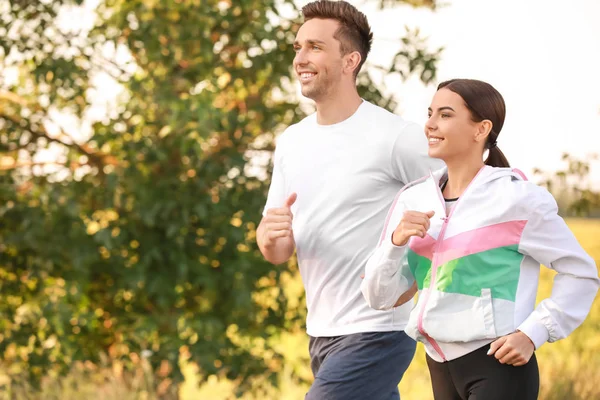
column 496, row 158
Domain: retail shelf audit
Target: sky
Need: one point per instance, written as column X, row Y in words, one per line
column 543, row 56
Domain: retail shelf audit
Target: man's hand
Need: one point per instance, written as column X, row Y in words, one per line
column 515, row 349
column 407, row 296
column 413, row 223
column 278, row 224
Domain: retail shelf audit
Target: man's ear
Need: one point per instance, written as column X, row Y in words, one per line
column 351, row 62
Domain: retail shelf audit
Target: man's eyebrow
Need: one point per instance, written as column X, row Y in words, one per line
column 310, row 41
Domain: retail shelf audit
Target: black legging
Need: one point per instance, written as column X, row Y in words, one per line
column 477, row 376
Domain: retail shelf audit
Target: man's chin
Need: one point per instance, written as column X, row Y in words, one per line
column 309, row 93
column 306, row 92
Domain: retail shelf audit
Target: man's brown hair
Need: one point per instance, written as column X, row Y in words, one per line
column 354, row 33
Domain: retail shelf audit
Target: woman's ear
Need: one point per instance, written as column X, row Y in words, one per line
column 483, row 130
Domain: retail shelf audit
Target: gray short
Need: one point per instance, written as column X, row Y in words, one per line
column 359, row 366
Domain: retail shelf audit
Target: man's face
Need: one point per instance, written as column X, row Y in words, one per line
column 318, row 62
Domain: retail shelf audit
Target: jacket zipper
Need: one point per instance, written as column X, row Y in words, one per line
column 434, row 265
column 431, row 341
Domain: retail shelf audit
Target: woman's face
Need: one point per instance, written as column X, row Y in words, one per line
column 450, row 129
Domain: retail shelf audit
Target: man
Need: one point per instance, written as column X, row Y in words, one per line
column 335, row 176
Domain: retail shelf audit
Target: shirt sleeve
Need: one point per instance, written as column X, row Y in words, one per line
column 276, row 196
column 410, row 159
column 548, row 239
column 387, row 274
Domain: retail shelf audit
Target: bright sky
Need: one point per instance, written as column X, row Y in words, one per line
column 542, row 55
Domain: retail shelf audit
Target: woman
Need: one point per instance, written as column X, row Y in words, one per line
column 471, row 238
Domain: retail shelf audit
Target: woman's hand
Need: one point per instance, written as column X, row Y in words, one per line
column 413, row 223
column 515, row 349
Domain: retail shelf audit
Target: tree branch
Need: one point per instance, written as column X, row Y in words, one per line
column 96, row 158
column 17, row 164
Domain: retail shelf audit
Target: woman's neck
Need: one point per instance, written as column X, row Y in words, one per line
column 460, row 175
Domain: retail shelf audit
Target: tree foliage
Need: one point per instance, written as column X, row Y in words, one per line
column 571, row 186
column 133, row 234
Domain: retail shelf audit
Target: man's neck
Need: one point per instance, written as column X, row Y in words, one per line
column 338, row 108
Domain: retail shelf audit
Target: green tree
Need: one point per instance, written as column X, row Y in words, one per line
column 137, row 238
column 571, row 186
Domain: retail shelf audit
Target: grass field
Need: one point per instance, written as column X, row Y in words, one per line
column 569, row 369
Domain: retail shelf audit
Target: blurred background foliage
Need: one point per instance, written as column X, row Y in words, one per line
column 135, row 144
column 127, row 236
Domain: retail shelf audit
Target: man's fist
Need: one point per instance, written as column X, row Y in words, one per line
column 278, row 222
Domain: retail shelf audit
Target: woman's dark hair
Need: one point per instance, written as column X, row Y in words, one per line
column 484, row 102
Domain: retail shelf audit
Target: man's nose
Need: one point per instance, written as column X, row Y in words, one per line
column 300, row 58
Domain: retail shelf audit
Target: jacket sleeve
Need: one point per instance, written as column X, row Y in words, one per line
column 387, row 275
column 548, row 240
